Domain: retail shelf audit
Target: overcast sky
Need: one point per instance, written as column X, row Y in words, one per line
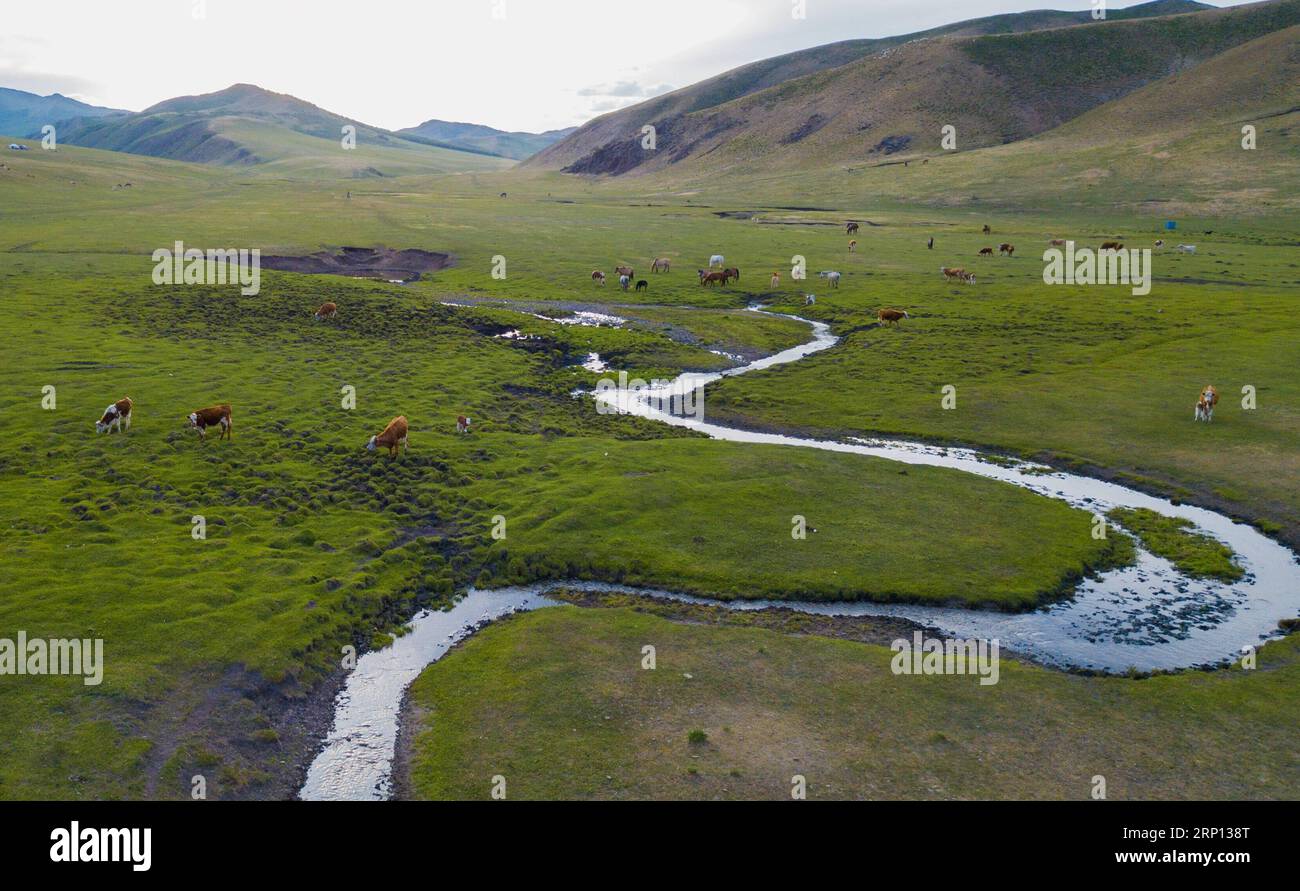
column 512, row 64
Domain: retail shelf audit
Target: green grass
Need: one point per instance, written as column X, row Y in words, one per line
column 314, row 544
column 557, row 702
column 1170, row 537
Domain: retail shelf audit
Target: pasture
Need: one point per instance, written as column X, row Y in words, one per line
column 223, row 652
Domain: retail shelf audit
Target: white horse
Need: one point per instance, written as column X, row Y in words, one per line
column 716, row 260
column 832, row 277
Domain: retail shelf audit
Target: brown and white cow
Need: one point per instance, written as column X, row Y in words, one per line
column 327, row 311
column 953, row 273
column 116, row 415
column 598, row 276
column 462, row 424
column 1057, row 242
column 1112, row 246
column 213, row 416
column 1006, row 248
column 390, row 437
column 891, row 316
column 1205, row 404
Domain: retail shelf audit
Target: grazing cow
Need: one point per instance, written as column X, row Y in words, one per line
column 642, row 285
column 327, row 311
column 1112, row 246
column 660, row 263
column 986, row 252
column 116, row 415
column 968, row 278
column 462, row 424
column 1187, row 248
column 850, row 228
column 712, row 278
column 624, row 281
column 1007, row 249
column 809, row 299
column 1205, row 404
column 732, row 272
column 776, row 280
column 891, row 316
column 930, row 243
column 503, row 194
column 1057, row 242
column 953, row 273
column 716, row 260
column 853, row 245
column 832, row 277
column 624, row 270
column 598, row 276
column 1160, row 242
column 216, row 415
column 987, row 230
column 394, row 435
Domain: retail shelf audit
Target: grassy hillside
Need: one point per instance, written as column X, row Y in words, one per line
column 245, row 125
column 992, row 89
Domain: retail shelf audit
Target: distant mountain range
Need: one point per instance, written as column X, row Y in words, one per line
column 995, row 80
column 476, row 137
column 245, row 125
column 24, row 114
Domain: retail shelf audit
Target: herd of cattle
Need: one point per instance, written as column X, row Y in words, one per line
column 117, row 417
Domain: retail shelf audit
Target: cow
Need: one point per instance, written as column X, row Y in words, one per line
column 1187, row 248
column 624, row 270
column 776, row 280
column 891, row 316
column 968, row 278
column 953, row 273
column 116, row 415
column 850, row 228
column 853, row 245
column 1112, row 246
column 598, row 276
column 712, row 278
column 809, row 299
column 327, row 311
column 832, row 276
column 216, row 415
column 642, row 285
column 1057, row 242
column 1005, row 248
column 624, row 281
column 1160, row 242
column 716, row 260
column 986, row 252
column 660, row 263
column 930, row 243
column 987, row 230
column 462, row 424
column 1205, row 404
column 732, row 272
column 394, row 435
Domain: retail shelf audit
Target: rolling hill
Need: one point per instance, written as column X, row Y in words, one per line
column 245, row 125
column 476, row 137
column 24, row 114
column 1008, row 81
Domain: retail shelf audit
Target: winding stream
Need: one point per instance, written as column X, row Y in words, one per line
column 1148, row 616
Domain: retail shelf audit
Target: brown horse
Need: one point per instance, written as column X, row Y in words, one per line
column 660, row 263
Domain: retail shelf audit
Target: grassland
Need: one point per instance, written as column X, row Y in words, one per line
column 557, row 702
column 222, row 652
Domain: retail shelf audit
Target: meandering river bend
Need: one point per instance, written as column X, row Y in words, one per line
column 1147, row 616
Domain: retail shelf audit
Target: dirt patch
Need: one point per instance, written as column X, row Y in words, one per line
column 362, row 262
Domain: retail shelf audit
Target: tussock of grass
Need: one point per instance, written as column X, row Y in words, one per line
column 1194, row 553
